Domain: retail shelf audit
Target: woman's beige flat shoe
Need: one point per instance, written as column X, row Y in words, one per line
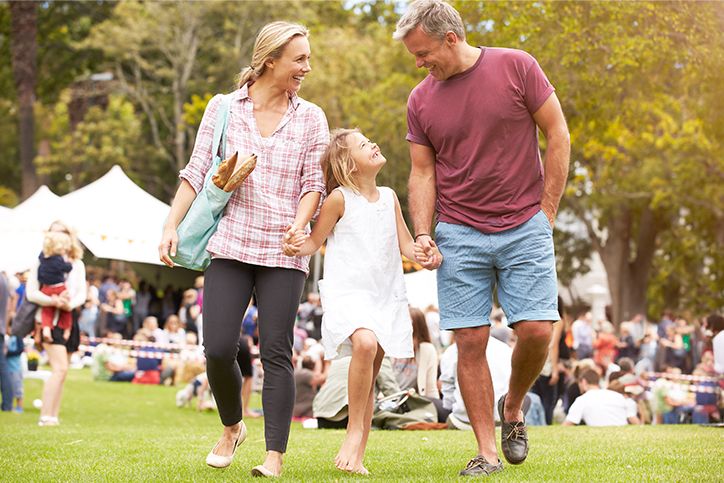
column 218, row 461
column 262, row 471
column 48, row 421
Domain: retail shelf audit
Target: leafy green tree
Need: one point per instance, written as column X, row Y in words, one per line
column 362, row 78
column 104, row 138
column 196, row 50
column 59, row 63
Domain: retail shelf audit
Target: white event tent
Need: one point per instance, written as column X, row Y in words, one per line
column 21, row 229
column 114, row 218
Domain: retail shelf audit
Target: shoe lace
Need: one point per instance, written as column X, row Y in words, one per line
column 480, row 462
column 517, row 430
column 477, row 461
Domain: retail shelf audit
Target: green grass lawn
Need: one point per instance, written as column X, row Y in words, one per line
column 124, row 432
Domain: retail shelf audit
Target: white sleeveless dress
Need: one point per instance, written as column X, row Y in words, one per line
column 363, row 285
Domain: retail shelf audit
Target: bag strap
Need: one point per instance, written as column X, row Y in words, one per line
column 222, row 117
column 219, row 138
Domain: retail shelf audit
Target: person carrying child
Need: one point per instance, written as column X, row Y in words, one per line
column 52, row 273
column 363, row 291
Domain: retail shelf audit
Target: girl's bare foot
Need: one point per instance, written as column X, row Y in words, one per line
column 348, row 459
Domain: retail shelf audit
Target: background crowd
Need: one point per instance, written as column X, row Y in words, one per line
column 644, row 371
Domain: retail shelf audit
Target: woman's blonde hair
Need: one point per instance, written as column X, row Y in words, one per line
column 270, row 44
column 76, row 250
column 56, row 243
column 337, row 162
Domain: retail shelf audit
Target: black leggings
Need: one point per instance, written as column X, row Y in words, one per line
column 228, row 286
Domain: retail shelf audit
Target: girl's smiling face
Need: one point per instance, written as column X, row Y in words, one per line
column 365, row 153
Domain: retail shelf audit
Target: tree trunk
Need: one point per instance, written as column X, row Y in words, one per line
column 636, row 296
column 614, row 255
column 628, row 266
column 24, row 47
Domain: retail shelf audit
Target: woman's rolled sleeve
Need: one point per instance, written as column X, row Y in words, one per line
column 201, row 157
column 312, row 179
column 32, row 289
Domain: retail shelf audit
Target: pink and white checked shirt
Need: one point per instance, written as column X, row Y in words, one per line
column 288, row 167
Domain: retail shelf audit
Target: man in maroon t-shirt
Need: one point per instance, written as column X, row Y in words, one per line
column 472, row 128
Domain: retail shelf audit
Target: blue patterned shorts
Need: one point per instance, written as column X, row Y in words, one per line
column 520, row 262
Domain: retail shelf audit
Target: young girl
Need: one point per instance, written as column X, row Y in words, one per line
column 363, row 291
column 52, row 272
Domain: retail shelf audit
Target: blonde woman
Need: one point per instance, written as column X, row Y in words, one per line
column 58, row 348
column 288, row 134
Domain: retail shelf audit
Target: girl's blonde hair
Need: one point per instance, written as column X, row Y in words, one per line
column 270, row 44
column 337, row 162
column 56, row 243
column 76, row 250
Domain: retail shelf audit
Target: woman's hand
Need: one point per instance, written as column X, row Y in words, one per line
column 167, row 247
column 64, row 301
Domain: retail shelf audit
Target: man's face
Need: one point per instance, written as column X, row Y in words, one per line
column 433, row 54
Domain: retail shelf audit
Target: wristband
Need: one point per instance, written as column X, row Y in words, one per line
column 421, row 234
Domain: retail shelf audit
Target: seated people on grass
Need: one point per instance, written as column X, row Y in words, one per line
column 306, row 382
column 330, row 405
column 419, row 372
column 498, row 354
column 599, row 407
column 111, row 363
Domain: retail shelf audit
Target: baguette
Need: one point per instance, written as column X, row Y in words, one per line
column 242, row 172
column 226, row 168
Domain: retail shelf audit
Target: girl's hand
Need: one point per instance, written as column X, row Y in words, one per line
column 167, row 247
column 426, row 253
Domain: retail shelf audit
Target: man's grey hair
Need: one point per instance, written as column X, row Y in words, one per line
column 435, row 17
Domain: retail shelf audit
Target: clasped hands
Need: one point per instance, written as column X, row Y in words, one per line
column 293, row 239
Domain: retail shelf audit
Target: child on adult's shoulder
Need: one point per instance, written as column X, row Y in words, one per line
column 363, row 290
column 53, row 270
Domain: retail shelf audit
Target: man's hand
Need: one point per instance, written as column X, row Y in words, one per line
column 550, row 214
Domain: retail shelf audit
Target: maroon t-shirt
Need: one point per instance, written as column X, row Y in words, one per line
column 480, row 124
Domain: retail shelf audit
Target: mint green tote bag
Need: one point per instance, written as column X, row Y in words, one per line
column 205, row 212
